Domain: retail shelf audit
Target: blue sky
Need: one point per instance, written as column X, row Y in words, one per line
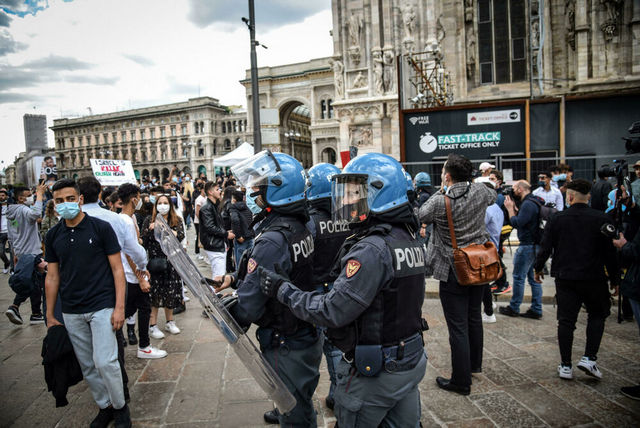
column 62, row 58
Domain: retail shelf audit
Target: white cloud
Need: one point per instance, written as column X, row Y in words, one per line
column 126, row 54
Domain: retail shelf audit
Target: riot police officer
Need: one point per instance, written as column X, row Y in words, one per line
column 373, row 312
column 275, row 185
column 423, row 192
column 328, row 237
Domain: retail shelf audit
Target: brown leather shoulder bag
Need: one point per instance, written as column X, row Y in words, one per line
column 476, row 264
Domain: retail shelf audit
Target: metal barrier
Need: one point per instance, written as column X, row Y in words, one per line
column 513, row 168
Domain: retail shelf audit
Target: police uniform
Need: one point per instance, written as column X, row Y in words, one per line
column 291, row 346
column 374, row 316
column 328, row 236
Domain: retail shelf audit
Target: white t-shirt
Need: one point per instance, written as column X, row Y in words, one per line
column 131, row 228
column 200, row 201
column 553, row 195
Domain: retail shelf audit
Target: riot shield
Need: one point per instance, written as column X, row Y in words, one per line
column 244, row 348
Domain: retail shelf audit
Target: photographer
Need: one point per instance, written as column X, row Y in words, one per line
column 526, row 221
column 630, row 288
column 600, row 190
column 551, row 195
column 580, row 254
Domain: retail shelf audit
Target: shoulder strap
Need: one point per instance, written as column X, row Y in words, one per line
column 447, row 205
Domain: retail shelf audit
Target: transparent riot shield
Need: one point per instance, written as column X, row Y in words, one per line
column 244, row 348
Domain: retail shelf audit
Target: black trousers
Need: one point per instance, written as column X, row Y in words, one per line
column 462, row 311
column 3, row 248
column 139, row 301
column 197, row 226
column 487, row 299
column 125, row 379
column 570, row 296
column 35, row 298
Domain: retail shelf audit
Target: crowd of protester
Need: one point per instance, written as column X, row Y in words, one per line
column 73, row 229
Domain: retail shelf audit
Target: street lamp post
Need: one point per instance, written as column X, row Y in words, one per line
column 255, row 95
column 291, row 135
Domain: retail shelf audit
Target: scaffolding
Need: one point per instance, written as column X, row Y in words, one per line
column 430, row 79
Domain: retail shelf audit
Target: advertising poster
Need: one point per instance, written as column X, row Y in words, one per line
column 113, row 172
column 42, row 168
column 477, row 133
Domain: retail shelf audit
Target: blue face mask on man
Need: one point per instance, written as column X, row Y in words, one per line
column 68, row 210
column 251, row 204
column 152, row 199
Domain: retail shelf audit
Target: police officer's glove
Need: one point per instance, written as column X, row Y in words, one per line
column 271, row 281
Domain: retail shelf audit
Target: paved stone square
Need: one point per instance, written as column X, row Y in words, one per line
column 202, row 384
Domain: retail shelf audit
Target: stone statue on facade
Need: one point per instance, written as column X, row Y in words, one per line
column 570, row 27
column 338, row 77
column 471, row 53
column 468, row 10
column 409, row 20
column 389, row 69
column 355, row 29
column 378, row 70
column 610, row 25
column 360, row 81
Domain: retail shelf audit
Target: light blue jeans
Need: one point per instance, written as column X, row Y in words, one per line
column 95, row 346
column 523, row 269
column 239, row 248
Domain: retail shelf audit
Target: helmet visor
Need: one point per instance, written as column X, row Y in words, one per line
column 256, row 170
column 349, row 197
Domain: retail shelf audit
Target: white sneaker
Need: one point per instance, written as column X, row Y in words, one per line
column 186, row 299
column 5, row 270
column 155, row 332
column 565, row 372
column 488, row 319
column 171, row 327
column 151, row 352
column 589, row 367
column 200, row 257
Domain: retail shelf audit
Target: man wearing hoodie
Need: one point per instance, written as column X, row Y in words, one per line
column 240, row 224
column 22, row 229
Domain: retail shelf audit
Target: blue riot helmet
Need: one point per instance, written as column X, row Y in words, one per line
column 319, row 181
column 279, row 177
column 369, row 184
column 409, row 179
column 423, row 180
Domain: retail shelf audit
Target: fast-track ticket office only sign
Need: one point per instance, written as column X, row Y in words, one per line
column 113, row 172
column 475, row 132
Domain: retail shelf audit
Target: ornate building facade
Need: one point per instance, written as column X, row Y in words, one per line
column 491, row 50
column 189, row 135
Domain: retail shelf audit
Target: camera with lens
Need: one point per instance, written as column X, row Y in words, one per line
column 507, row 190
column 620, row 169
column 632, row 143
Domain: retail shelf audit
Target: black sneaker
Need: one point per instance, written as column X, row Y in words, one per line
column 122, row 417
column 531, row 314
column 506, row 310
column 13, row 313
column 36, row 319
column 180, row 309
column 329, row 402
column 103, row 418
column 271, row 417
column 632, row 392
column 131, row 335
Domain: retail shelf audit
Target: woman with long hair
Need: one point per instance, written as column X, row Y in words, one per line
column 49, row 220
column 187, row 198
column 166, row 285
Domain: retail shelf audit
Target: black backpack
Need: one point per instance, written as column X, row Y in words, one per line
column 545, row 213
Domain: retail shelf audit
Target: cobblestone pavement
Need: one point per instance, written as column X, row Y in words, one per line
column 202, row 384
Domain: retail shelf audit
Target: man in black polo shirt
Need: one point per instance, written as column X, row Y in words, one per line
column 85, row 266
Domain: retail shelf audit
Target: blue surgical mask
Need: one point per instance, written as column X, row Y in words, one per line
column 152, row 199
column 68, row 210
column 175, row 179
column 560, row 177
column 541, row 183
column 251, row 204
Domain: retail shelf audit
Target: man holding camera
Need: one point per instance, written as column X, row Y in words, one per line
column 526, row 221
column 581, row 252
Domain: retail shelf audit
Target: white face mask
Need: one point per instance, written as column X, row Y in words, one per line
column 29, row 200
column 163, row 208
column 139, row 204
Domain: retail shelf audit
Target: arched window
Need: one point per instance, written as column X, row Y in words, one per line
column 196, row 127
column 200, row 148
column 202, row 127
column 224, row 128
column 330, row 108
column 215, row 146
column 323, row 109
